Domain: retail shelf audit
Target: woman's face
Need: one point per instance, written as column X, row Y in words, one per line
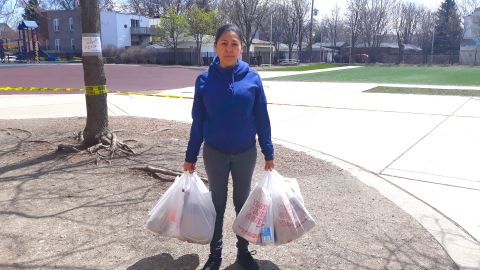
column 228, row 49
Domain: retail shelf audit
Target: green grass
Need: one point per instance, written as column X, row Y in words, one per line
column 450, row 75
column 303, row 67
column 424, row 91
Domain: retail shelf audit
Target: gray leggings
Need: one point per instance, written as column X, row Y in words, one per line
column 218, row 166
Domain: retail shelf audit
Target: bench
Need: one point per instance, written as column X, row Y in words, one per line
column 289, row 62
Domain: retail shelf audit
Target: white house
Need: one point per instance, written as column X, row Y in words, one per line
column 123, row 30
column 470, row 46
column 188, row 42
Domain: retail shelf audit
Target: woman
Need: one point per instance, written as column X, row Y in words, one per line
column 229, row 110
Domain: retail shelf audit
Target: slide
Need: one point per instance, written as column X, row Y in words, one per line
column 48, row 57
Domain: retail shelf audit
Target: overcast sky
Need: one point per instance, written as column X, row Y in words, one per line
column 324, row 6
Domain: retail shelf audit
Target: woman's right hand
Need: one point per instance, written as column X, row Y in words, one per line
column 188, row 167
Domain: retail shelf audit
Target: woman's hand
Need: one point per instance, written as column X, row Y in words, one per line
column 188, row 167
column 269, row 165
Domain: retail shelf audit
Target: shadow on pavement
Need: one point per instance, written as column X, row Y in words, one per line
column 165, row 261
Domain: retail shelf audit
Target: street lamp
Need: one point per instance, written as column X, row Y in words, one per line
column 311, row 31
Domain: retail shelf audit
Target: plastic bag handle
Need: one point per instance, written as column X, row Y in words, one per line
column 186, row 184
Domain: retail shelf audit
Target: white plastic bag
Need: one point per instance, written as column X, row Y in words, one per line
column 274, row 212
column 291, row 218
column 198, row 217
column 164, row 217
column 185, row 211
column 255, row 221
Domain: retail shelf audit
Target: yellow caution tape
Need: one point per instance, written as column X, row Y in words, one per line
column 90, row 90
column 95, row 90
column 101, row 89
column 9, row 88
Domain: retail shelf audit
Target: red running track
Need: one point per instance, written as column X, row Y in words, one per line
column 135, row 78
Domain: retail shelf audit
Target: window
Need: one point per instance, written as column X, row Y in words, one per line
column 70, row 23
column 55, row 25
column 134, row 23
column 72, row 44
column 57, row 44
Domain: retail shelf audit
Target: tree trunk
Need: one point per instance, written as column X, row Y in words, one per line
column 401, row 53
column 175, row 53
column 247, row 47
column 94, row 76
column 199, row 50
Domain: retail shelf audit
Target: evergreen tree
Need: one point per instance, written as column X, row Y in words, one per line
column 448, row 29
column 32, row 8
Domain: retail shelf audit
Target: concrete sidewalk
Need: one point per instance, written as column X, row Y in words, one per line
column 419, row 151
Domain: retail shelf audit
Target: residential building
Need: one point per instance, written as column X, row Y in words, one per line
column 470, row 45
column 124, row 30
column 61, row 30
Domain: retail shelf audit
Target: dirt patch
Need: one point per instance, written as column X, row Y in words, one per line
column 60, row 211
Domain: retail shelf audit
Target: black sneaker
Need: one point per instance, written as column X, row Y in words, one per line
column 245, row 260
column 213, row 262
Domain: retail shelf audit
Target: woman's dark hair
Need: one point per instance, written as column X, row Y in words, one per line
column 227, row 28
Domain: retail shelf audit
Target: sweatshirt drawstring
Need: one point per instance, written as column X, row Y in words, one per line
column 230, row 85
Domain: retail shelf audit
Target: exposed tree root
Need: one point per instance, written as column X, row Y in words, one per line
column 108, row 145
column 155, row 171
column 157, row 131
column 39, row 141
column 14, row 131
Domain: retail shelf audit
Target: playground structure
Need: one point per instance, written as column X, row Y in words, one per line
column 28, row 41
column 26, row 47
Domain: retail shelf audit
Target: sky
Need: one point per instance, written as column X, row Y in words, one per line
column 325, row 6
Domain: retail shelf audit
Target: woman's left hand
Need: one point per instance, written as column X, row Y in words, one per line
column 269, row 165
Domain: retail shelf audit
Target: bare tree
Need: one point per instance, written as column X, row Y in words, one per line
column 300, row 10
column 466, row 7
column 354, row 10
column 424, row 33
column 405, row 20
column 374, row 18
column 158, row 8
column 322, row 33
column 333, row 22
column 150, row 8
column 178, row 5
column 247, row 15
column 64, row 4
column 289, row 25
column 276, row 22
column 7, row 10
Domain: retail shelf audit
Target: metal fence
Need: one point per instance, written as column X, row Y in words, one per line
column 189, row 57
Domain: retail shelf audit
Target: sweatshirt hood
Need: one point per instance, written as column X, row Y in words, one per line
column 229, row 75
column 232, row 74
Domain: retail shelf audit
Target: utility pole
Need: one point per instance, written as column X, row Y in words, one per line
column 433, row 39
column 311, row 32
column 93, row 73
column 271, row 36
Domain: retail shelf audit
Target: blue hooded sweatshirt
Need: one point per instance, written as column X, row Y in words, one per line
column 229, row 110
